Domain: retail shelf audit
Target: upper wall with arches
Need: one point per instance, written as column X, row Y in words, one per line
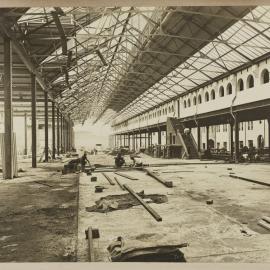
column 249, row 85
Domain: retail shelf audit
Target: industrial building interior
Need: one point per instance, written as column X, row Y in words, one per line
column 182, row 96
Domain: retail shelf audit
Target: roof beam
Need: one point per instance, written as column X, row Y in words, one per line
column 24, row 57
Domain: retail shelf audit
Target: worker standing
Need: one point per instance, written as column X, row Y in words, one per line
column 84, row 159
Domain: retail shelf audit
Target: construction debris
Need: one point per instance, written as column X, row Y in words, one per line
column 123, row 201
column 99, row 189
column 93, row 179
column 135, row 251
column 165, row 183
column 209, row 202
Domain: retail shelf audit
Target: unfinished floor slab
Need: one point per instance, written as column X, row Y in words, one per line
column 225, row 231
column 38, row 215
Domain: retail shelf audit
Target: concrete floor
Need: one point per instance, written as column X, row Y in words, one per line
column 39, row 222
column 225, row 231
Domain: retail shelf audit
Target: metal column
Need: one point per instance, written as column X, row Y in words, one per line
column 64, row 135
column 57, row 133
column 231, row 139
column 34, row 120
column 53, row 130
column 236, row 139
column 7, row 85
column 268, row 121
column 46, row 148
column 25, row 133
column 67, row 134
column 207, row 137
column 159, row 136
column 199, row 138
column 61, row 133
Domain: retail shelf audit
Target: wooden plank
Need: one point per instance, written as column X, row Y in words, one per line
column 250, row 180
column 264, row 224
column 108, row 178
column 267, row 219
column 126, row 176
column 119, row 183
column 91, row 254
column 165, row 183
column 150, row 210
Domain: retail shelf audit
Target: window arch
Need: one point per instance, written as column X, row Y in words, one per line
column 199, row 99
column 221, row 91
column 250, row 81
column 206, row 97
column 213, row 94
column 265, row 76
column 194, row 101
column 188, row 102
column 185, row 104
column 240, row 85
column 229, row 89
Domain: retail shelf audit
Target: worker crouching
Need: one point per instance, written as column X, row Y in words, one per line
column 119, row 160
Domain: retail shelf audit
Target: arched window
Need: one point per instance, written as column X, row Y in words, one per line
column 169, row 109
column 265, row 76
column 172, row 109
column 199, row 99
column 206, row 97
column 229, row 89
column 185, row 104
column 194, row 101
column 166, row 111
column 240, row 85
column 213, row 94
column 221, row 91
column 188, row 102
column 250, row 81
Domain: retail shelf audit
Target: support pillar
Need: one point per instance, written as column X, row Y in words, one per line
column 148, row 143
column 34, row 120
column 58, row 133
column 67, row 133
column 128, row 140
column 64, row 135
column 199, row 138
column 7, row 85
column 236, row 139
column 268, row 120
column 53, row 130
column 159, row 136
column 25, row 133
column 231, row 139
column 61, row 133
column 133, row 142
column 207, row 137
column 46, row 148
